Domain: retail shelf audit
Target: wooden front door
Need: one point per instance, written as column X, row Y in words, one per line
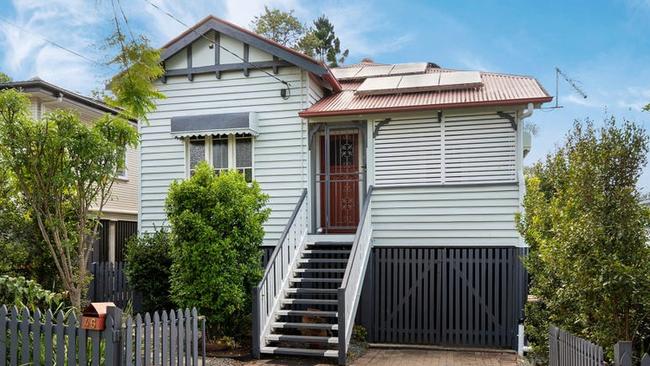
column 339, row 187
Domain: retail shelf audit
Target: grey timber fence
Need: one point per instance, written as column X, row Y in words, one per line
column 472, row 296
column 165, row 339
column 110, row 284
column 566, row 349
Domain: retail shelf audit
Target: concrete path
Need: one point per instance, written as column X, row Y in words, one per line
column 418, row 357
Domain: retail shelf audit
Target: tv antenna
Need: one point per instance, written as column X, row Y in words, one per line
column 571, row 82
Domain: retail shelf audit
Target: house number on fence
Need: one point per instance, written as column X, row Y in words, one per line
column 94, row 315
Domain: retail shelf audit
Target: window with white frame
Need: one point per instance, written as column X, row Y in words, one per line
column 122, row 173
column 223, row 153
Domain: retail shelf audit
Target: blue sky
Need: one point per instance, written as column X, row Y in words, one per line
column 603, row 44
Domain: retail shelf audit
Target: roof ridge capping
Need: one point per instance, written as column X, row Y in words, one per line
column 453, row 80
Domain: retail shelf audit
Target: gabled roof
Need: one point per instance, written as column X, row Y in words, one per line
column 212, row 23
column 37, row 84
column 497, row 90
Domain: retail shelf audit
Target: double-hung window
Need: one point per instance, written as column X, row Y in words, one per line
column 222, row 152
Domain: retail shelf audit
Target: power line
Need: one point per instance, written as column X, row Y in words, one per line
column 51, row 42
column 215, row 44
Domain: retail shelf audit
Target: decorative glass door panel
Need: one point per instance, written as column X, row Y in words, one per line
column 339, row 179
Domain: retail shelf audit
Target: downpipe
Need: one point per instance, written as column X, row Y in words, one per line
column 528, row 111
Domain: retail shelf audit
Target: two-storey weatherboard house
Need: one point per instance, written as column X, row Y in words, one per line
column 393, row 187
column 120, row 214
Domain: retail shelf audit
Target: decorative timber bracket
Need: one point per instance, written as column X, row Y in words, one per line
column 510, row 118
column 379, row 125
column 313, row 133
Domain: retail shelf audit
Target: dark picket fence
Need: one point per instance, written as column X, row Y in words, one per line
column 565, row 349
column 110, row 284
column 57, row 339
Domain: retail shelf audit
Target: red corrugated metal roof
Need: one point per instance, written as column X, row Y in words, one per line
column 497, row 89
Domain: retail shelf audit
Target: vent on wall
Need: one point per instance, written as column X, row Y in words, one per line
column 421, row 83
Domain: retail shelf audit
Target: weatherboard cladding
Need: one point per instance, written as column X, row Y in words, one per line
column 446, row 215
column 497, row 89
column 279, row 150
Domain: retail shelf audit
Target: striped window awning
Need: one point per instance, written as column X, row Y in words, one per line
column 215, row 124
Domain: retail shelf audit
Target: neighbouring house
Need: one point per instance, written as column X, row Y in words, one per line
column 120, row 215
column 393, row 187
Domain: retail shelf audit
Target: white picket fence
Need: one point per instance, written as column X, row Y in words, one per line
column 166, row 338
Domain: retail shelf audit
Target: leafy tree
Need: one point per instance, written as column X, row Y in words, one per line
column 321, row 42
column 589, row 261
column 148, row 269
column 20, row 247
column 64, row 169
column 20, row 291
column 280, row 26
column 217, row 230
column 4, row 78
column 132, row 88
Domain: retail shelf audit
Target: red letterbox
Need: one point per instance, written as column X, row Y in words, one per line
column 94, row 315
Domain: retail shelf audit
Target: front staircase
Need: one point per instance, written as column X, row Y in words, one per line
column 306, row 301
column 307, row 322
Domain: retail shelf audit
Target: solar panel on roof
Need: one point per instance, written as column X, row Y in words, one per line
column 369, row 71
column 420, row 83
column 345, row 73
column 456, row 78
column 386, row 84
column 413, row 83
column 411, row 68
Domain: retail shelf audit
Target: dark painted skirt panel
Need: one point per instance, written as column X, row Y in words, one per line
column 470, row 297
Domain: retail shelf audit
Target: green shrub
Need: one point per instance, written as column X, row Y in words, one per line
column 589, row 261
column 359, row 334
column 148, row 269
column 20, row 291
column 216, row 235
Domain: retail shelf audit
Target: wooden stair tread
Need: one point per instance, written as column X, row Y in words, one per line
column 319, row 270
column 282, row 325
column 310, row 301
column 331, row 314
column 300, row 351
column 323, row 280
column 322, row 260
column 301, row 338
column 312, row 291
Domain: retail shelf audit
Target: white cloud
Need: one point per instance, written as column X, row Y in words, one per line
column 585, row 102
column 162, row 28
column 243, row 15
column 66, row 22
column 362, row 30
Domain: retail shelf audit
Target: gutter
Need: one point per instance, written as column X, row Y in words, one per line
column 60, row 93
column 346, row 112
column 332, row 80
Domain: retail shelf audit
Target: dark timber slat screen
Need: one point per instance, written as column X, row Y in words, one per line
column 124, row 230
column 444, row 296
column 100, row 246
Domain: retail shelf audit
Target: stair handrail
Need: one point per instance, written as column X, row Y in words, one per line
column 355, row 271
column 267, row 293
